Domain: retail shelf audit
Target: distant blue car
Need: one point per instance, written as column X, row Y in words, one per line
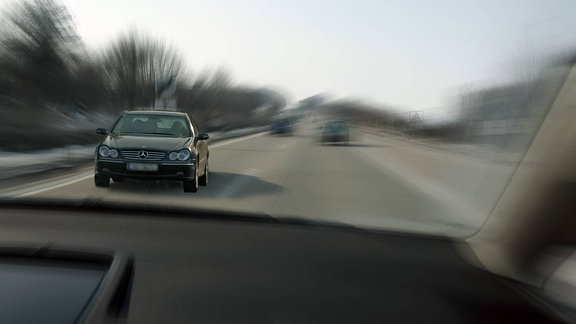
column 335, row 131
column 281, row 127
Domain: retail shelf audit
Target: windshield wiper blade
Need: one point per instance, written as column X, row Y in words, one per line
column 292, row 220
column 143, row 209
column 93, row 204
column 164, row 134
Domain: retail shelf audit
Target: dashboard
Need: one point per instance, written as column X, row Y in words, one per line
column 145, row 265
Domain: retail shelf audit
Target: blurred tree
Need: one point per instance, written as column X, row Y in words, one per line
column 215, row 101
column 48, row 75
column 38, row 46
column 363, row 113
column 133, row 63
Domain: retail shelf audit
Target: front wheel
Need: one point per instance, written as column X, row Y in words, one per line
column 191, row 185
column 203, row 180
column 101, row 181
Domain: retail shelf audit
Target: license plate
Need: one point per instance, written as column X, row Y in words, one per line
column 142, row 167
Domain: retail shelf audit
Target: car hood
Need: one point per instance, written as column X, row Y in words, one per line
column 153, row 143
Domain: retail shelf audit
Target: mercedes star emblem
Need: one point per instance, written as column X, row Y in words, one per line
column 143, row 154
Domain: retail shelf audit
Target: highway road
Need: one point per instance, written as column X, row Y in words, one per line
column 375, row 181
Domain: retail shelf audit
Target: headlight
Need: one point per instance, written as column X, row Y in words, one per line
column 182, row 155
column 104, row 151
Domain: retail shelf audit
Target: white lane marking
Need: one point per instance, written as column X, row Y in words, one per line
column 230, row 141
column 433, row 190
column 233, row 187
column 54, row 185
column 71, row 180
column 283, row 146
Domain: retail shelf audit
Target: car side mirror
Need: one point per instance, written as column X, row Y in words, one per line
column 101, row 131
column 202, row 136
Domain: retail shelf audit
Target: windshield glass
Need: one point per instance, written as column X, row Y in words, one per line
column 396, row 115
column 152, row 125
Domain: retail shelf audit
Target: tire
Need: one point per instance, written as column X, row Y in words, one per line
column 203, row 180
column 101, row 181
column 117, row 179
column 191, row 185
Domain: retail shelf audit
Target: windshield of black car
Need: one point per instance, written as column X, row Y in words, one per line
column 175, row 126
column 335, row 125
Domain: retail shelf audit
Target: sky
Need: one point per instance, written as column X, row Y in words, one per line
column 408, row 54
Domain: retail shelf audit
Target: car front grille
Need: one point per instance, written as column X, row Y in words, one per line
column 143, row 155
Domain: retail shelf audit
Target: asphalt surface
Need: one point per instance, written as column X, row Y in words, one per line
column 375, row 181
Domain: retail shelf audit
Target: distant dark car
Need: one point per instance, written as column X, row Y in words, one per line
column 281, row 127
column 153, row 145
column 335, row 131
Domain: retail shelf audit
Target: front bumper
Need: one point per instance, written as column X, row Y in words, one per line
column 166, row 170
column 334, row 138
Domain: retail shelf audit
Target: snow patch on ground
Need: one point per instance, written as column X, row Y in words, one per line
column 14, row 164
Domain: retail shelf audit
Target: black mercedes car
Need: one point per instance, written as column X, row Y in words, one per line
column 153, row 145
